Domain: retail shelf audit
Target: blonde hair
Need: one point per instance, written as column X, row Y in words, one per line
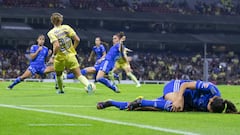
column 56, row 18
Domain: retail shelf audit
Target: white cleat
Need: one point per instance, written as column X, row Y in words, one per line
column 138, row 85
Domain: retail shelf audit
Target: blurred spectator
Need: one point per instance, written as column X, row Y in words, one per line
column 223, row 68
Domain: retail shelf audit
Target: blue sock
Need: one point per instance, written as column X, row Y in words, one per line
column 83, row 71
column 18, row 80
column 116, row 76
column 107, row 83
column 70, row 76
column 120, row 105
column 160, row 104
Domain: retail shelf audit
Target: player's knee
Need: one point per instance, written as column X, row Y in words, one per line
column 58, row 73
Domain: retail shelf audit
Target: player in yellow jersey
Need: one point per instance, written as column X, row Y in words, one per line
column 61, row 37
column 123, row 63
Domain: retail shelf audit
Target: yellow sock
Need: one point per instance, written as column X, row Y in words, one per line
column 111, row 76
column 83, row 80
column 133, row 77
column 60, row 82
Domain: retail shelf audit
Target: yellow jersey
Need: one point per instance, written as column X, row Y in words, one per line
column 63, row 34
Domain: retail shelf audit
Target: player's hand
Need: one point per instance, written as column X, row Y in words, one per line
column 40, row 48
column 178, row 104
column 49, row 52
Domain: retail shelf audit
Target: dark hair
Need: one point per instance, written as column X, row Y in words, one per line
column 36, row 42
column 120, row 34
column 218, row 105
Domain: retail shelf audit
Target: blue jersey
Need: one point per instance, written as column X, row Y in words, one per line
column 99, row 50
column 41, row 57
column 194, row 99
column 113, row 54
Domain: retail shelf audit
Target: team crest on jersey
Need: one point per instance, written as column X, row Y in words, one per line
column 205, row 85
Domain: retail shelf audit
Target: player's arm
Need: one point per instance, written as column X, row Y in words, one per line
column 76, row 41
column 103, row 56
column 74, row 36
column 178, row 103
column 128, row 50
column 56, row 47
column 91, row 56
column 54, row 41
column 33, row 55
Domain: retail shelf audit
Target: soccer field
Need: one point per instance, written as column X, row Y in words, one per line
column 33, row 108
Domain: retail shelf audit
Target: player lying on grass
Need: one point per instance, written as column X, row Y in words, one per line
column 180, row 95
column 38, row 55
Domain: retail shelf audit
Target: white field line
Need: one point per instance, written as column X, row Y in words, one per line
column 103, row 120
column 59, row 125
column 59, row 106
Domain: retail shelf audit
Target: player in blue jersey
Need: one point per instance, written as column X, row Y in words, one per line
column 115, row 52
column 38, row 55
column 100, row 52
column 180, row 95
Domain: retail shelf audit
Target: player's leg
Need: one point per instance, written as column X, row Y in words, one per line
column 111, row 74
column 159, row 103
column 129, row 73
column 25, row 75
column 48, row 69
column 88, row 70
column 106, row 68
column 73, row 65
column 109, row 103
column 59, row 68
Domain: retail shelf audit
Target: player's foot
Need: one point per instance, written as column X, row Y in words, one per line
column 138, row 85
column 60, row 92
column 56, row 86
column 116, row 89
column 102, row 105
column 135, row 104
column 9, row 87
column 90, row 89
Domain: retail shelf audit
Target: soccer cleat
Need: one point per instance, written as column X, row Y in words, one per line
column 116, row 90
column 56, row 86
column 60, row 92
column 102, row 105
column 135, row 104
column 90, row 89
column 138, row 85
column 9, row 87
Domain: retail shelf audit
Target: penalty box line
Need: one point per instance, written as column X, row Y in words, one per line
column 102, row 120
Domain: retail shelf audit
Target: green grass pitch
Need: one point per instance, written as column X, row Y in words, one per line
column 33, row 108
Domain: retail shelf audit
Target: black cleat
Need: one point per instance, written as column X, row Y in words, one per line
column 9, row 87
column 102, row 105
column 60, row 92
column 135, row 104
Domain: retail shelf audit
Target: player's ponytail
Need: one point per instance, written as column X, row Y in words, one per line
column 120, row 34
column 231, row 108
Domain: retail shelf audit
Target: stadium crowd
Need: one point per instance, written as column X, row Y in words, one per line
column 223, row 68
column 213, row 7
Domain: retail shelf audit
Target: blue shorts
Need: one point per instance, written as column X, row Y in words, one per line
column 97, row 66
column 172, row 86
column 106, row 66
column 36, row 69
